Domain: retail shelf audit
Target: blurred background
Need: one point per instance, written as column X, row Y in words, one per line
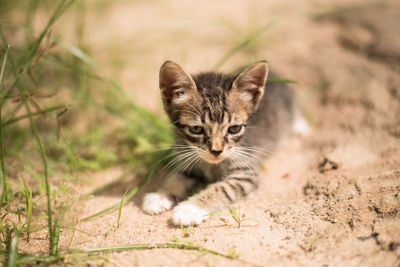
column 79, row 82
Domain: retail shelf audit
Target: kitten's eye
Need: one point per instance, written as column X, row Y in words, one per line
column 196, row 129
column 234, row 129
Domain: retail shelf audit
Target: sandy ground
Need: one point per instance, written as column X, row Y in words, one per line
column 329, row 199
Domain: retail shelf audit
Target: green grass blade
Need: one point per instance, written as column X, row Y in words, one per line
column 217, row 213
column 145, row 180
column 120, row 207
column 42, row 152
column 281, row 80
column 56, row 238
column 27, row 58
column 109, row 229
column 3, row 65
column 78, row 53
column 248, row 40
column 28, row 206
column 119, row 248
column 43, row 111
column 5, row 192
column 13, row 255
column 34, row 260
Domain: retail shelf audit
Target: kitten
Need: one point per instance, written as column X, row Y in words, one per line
column 225, row 125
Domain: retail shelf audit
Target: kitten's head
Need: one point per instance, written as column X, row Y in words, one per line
column 210, row 110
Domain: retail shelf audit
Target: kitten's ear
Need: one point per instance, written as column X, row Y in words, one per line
column 250, row 83
column 175, row 84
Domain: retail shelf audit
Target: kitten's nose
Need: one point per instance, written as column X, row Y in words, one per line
column 216, row 152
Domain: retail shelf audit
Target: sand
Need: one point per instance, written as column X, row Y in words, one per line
column 328, row 199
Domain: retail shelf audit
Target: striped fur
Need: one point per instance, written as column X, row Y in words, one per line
column 225, row 125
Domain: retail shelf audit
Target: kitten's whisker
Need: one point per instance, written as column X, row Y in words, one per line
column 182, row 146
column 254, row 149
column 247, row 160
column 237, row 166
column 251, row 158
column 248, row 151
column 184, row 157
column 244, row 162
column 194, row 163
column 249, row 155
column 178, row 158
column 177, row 152
column 190, row 164
column 167, row 148
column 168, row 156
column 185, row 163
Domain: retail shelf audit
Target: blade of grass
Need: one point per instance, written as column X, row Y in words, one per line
column 37, row 259
column 120, row 207
column 119, row 248
column 28, row 206
column 79, row 54
column 11, row 114
column 5, row 193
column 56, row 238
column 145, row 180
column 32, row 259
column 248, row 40
column 28, row 57
column 13, row 255
column 43, row 111
column 109, row 229
column 281, row 80
column 42, row 153
column 79, row 231
column 26, row 60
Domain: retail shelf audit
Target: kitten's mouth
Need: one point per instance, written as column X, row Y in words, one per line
column 210, row 158
column 213, row 159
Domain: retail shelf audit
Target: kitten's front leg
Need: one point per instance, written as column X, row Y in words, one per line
column 215, row 197
column 175, row 187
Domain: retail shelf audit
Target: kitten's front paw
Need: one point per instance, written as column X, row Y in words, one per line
column 155, row 203
column 188, row 214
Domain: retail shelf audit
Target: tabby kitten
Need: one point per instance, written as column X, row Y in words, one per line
column 225, row 125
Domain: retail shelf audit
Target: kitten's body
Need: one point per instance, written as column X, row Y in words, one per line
column 224, row 125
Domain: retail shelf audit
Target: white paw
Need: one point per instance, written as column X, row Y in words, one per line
column 188, row 214
column 300, row 126
column 154, row 203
